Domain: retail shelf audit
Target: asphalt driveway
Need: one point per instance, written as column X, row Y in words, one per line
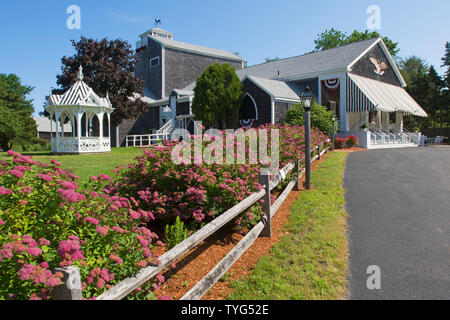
column 398, row 202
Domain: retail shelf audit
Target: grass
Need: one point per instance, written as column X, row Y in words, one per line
column 311, row 260
column 87, row 165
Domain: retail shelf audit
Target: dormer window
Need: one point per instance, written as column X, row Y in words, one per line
column 154, row 62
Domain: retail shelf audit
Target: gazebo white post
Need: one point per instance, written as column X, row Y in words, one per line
column 100, row 120
column 100, row 126
column 51, row 131
column 79, row 117
column 51, row 126
column 109, row 129
column 109, row 125
column 87, row 126
column 73, row 119
column 57, row 115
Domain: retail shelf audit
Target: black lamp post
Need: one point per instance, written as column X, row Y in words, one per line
column 333, row 118
column 307, row 101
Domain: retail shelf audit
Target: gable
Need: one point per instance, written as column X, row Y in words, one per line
column 375, row 65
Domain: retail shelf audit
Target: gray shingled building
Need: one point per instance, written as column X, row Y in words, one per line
column 360, row 82
column 166, row 66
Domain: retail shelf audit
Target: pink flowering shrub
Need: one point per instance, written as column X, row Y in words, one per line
column 199, row 193
column 48, row 221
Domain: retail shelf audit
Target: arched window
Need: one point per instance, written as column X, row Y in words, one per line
column 105, row 126
column 83, row 126
column 94, row 130
column 249, row 110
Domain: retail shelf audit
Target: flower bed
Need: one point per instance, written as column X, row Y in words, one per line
column 198, row 193
column 47, row 220
column 349, row 142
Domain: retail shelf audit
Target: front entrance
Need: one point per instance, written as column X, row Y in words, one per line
column 248, row 113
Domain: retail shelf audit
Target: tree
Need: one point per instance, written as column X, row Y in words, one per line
column 446, row 62
column 445, row 101
column 320, row 117
column 218, row 97
column 16, row 112
column 334, row 38
column 424, row 85
column 330, row 39
column 272, row 59
column 108, row 67
column 412, row 68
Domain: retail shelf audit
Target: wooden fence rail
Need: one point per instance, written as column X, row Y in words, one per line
column 70, row 290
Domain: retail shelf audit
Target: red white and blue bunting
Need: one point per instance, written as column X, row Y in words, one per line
column 332, row 84
column 247, row 124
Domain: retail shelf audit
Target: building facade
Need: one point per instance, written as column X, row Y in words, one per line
column 360, row 82
column 166, row 65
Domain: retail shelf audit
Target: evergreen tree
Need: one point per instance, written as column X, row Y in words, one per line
column 446, row 62
column 320, row 117
column 218, row 97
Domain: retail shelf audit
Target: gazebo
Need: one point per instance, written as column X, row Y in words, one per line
column 89, row 117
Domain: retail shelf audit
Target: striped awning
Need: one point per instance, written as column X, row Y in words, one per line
column 364, row 94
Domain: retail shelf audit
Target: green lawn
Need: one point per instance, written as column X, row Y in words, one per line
column 310, row 261
column 87, row 165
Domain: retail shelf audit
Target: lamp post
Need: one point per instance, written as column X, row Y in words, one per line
column 307, row 101
column 333, row 118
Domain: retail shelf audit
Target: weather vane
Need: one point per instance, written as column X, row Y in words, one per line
column 157, row 22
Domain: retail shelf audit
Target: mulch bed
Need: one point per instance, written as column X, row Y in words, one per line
column 351, row 150
column 197, row 263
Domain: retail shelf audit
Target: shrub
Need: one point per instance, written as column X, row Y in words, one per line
column 199, row 193
column 351, row 141
column 320, row 117
column 47, row 221
column 176, row 233
column 339, row 142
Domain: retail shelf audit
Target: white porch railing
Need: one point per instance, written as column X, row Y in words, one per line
column 166, row 128
column 380, row 138
column 146, row 140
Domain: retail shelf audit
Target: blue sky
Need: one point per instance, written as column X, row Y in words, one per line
column 34, row 36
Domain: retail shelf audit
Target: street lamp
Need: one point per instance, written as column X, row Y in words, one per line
column 307, row 99
column 333, row 118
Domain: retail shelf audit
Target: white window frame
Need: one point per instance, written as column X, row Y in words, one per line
column 152, row 59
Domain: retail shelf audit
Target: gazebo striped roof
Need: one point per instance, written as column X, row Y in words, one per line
column 80, row 94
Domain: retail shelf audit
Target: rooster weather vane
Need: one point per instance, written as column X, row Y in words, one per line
column 157, row 22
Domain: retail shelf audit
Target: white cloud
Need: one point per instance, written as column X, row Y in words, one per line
column 126, row 18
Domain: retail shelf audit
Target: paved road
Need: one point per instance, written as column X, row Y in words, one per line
column 399, row 219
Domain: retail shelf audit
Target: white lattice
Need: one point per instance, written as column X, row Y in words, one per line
column 84, row 145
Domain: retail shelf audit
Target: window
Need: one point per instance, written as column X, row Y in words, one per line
column 154, row 62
